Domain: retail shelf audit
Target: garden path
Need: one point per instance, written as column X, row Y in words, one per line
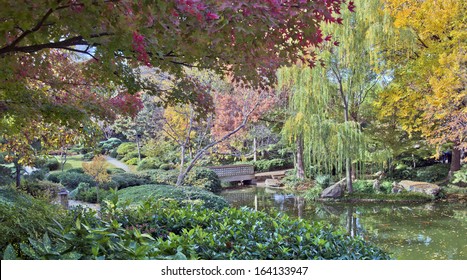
column 117, row 163
column 75, row 203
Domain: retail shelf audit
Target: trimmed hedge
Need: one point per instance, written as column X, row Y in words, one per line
column 149, row 163
column 71, row 180
column 42, row 189
column 199, row 177
column 125, row 180
column 183, row 195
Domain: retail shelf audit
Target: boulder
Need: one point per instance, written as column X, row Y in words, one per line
column 421, row 187
column 272, row 183
column 334, row 191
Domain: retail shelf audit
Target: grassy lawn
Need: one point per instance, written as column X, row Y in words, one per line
column 77, row 162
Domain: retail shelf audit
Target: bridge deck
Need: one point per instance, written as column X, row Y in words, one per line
column 234, row 173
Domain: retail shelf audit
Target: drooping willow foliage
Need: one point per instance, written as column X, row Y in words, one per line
column 327, row 142
column 326, row 104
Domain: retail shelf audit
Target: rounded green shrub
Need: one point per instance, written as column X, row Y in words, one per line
column 159, row 176
column 149, row 163
column 115, row 170
column 42, row 189
column 132, row 161
column 183, row 195
column 323, row 181
column 125, row 148
column 76, row 170
column 25, row 217
column 88, row 156
column 432, row 173
column 125, row 180
column 203, row 178
column 52, row 164
column 53, row 177
column 109, row 144
column 167, row 166
column 71, row 180
column 363, row 186
column 271, row 164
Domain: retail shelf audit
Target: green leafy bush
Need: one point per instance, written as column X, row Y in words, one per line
column 6, row 175
column 125, row 180
column 109, row 144
column 271, row 164
column 433, row 173
column 313, row 193
column 149, row 163
column 90, row 194
column 199, row 177
column 132, row 155
column 363, row 186
column 323, row 181
column 132, row 161
column 53, row 177
column 71, row 179
column 52, row 164
column 88, row 156
column 203, row 178
column 460, row 178
column 125, row 148
column 39, row 174
column 385, row 187
column 159, row 176
column 167, row 166
column 291, row 180
column 115, row 171
column 23, row 217
column 76, row 170
column 164, row 230
column 183, row 195
column 113, row 153
column 42, row 189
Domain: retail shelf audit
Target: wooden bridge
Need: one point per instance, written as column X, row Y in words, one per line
column 244, row 173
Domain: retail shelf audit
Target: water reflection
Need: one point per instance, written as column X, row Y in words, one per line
column 411, row 231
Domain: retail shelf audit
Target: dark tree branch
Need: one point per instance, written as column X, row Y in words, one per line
column 81, row 51
column 38, row 26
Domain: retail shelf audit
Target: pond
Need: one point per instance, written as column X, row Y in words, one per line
column 407, row 231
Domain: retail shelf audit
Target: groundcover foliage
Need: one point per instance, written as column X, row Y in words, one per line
column 163, row 229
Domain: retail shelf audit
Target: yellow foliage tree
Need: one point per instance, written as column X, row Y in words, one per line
column 97, row 169
column 428, row 93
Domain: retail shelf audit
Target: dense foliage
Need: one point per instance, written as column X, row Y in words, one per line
column 183, row 195
column 164, row 230
column 200, row 177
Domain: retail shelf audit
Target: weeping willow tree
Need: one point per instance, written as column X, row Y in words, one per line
column 327, row 104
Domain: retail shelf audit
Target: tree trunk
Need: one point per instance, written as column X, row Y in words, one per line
column 182, row 174
column 299, row 160
column 254, row 149
column 17, row 173
column 63, row 158
column 456, row 160
column 348, row 161
column 139, row 151
column 348, row 175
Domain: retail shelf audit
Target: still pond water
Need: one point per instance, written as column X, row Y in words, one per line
column 407, row 231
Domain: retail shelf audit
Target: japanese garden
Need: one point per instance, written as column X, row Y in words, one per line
column 233, row 130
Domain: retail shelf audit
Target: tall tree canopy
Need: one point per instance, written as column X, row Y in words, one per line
column 428, row 93
column 247, row 38
column 326, row 102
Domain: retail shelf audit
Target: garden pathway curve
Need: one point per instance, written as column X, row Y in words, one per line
column 117, row 163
